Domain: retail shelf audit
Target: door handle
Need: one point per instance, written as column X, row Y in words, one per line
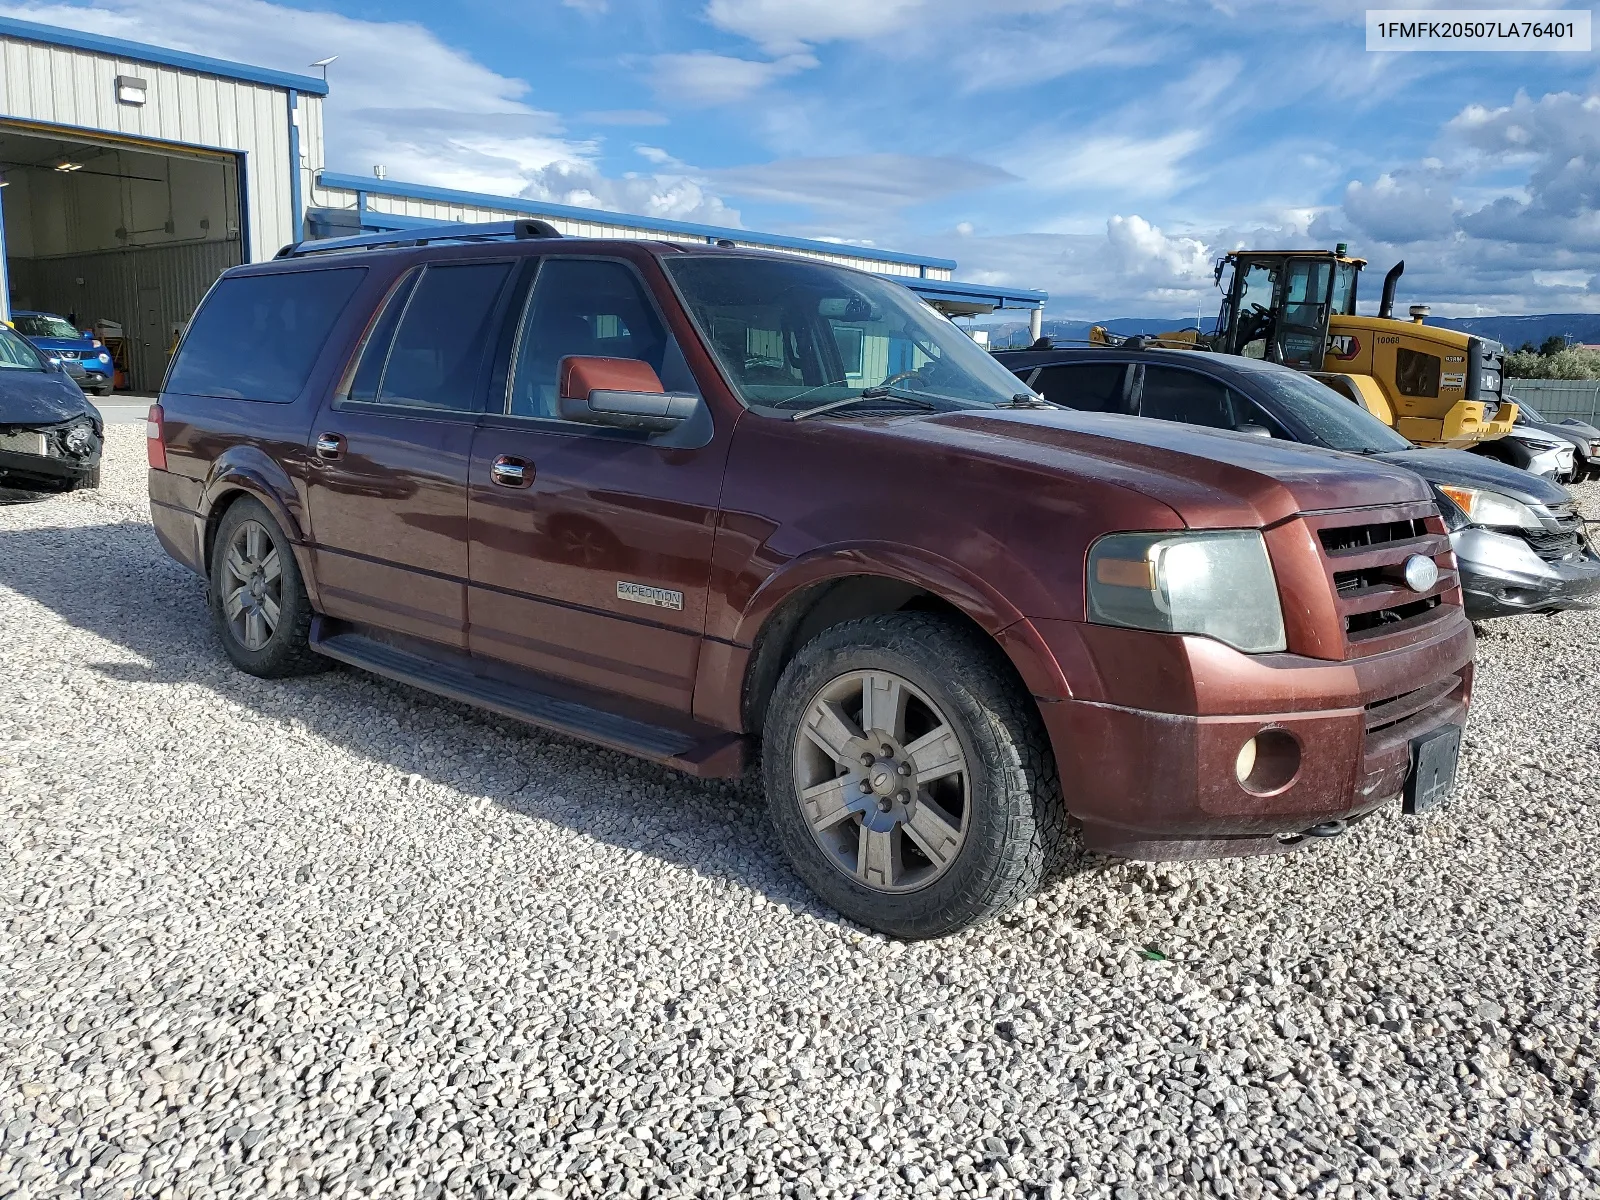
column 511, row 472
column 329, row 445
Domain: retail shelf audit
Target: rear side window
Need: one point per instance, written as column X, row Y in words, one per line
column 257, row 337
column 428, row 349
column 1089, row 387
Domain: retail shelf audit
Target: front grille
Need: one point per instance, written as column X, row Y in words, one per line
column 1364, row 555
column 1553, row 547
column 71, row 355
column 1353, row 537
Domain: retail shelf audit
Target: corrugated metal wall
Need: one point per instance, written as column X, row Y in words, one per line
column 1558, row 398
column 57, row 85
column 149, row 290
column 436, row 210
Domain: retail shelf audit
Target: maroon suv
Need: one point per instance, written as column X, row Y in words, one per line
column 700, row 503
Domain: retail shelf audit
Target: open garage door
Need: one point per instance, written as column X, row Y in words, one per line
column 116, row 234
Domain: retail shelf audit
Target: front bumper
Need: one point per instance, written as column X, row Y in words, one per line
column 56, row 470
column 1501, row 576
column 1152, row 784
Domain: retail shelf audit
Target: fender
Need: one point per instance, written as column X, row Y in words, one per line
column 974, row 596
column 245, row 468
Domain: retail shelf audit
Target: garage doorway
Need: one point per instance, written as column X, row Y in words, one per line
column 117, row 235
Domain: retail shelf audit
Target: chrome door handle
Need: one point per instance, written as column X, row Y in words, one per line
column 511, row 472
column 329, row 445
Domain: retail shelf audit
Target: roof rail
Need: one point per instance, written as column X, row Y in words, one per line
column 481, row 231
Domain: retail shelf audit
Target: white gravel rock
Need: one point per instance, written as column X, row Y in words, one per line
column 336, row 937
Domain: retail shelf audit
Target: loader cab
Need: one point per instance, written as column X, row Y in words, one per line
column 1277, row 305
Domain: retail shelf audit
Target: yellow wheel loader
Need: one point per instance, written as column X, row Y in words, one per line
column 1434, row 386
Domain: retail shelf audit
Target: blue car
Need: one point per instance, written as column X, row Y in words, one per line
column 83, row 355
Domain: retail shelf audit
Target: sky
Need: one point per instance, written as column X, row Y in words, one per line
column 1104, row 152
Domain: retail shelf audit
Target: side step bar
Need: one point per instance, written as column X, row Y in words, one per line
column 714, row 755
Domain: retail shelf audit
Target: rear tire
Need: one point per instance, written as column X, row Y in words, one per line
column 957, row 817
column 258, row 601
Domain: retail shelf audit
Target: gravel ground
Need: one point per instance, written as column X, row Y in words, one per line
column 335, row 937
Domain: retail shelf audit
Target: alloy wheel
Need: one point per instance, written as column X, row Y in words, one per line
column 252, row 583
column 883, row 781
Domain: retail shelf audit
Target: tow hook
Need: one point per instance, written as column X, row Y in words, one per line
column 1325, row 829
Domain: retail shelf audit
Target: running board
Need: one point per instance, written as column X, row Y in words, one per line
column 713, row 754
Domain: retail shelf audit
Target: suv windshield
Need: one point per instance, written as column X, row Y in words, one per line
column 45, row 326
column 16, row 354
column 1332, row 420
column 793, row 335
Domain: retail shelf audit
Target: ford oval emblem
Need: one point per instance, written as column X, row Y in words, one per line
column 1421, row 573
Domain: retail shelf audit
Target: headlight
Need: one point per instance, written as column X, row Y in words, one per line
column 79, row 439
column 1489, row 381
column 1219, row 584
column 1492, row 508
column 103, row 357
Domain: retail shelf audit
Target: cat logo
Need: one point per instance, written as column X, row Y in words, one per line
column 1344, row 345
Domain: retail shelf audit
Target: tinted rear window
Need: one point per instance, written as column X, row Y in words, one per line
column 257, row 336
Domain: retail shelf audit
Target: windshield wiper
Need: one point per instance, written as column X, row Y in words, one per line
column 1027, row 400
column 871, row 393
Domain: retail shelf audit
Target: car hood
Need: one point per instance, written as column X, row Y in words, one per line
column 1457, row 468
column 1212, row 479
column 83, row 345
column 1541, row 435
column 40, row 398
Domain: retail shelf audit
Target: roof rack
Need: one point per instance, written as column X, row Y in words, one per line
column 481, row 231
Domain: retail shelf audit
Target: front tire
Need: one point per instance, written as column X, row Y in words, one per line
column 908, row 775
column 258, row 600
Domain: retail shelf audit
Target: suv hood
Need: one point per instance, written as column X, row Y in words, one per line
column 1462, row 469
column 40, row 398
column 1213, row 479
column 1579, row 435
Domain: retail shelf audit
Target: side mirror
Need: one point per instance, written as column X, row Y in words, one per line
column 1253, row 430
column 622, row 393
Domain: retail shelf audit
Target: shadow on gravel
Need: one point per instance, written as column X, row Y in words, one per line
column 116, row 582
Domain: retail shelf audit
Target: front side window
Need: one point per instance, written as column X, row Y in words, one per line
column 1257, row 295
column 1344, row 290
column 590, row 308
column 1171, row 394
column 429, row 347
column 791, row 335
column 1305, row 312
column 16, row 354
column 256, row 337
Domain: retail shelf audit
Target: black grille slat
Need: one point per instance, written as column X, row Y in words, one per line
column 1384, row 714
column 1387, row 620
column 1345, row 538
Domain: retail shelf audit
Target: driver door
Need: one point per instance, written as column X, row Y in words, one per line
column 1303, row 328
column 1256, row 295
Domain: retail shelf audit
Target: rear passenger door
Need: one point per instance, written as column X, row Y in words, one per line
column 591, row 559
column 387, row 493
column 1175, row 394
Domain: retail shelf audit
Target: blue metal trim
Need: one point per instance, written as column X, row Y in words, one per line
column 294, row 166
column 50, row 35
column 538, row 208
column 949, row 289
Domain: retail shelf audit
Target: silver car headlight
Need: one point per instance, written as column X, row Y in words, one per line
column 79, row 439
column 1215, row 583
column 1494, row 509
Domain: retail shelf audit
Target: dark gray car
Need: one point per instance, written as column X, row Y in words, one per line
column 1520, row 543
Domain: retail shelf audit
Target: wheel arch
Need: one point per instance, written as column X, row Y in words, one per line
column 816, row 596
column 243, row 472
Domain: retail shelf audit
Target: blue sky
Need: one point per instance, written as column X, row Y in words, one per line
column 1106, row 152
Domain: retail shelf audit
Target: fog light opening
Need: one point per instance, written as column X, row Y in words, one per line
column 1268, row 762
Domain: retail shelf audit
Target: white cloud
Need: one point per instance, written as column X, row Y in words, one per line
column 1142, row 250
column 702, row 79
column 864, row 187
column 789, row 26
column 400, row 96
column 1121, row 163
column 1403, row 206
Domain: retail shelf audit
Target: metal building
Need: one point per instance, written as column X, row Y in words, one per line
column 133, row 175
